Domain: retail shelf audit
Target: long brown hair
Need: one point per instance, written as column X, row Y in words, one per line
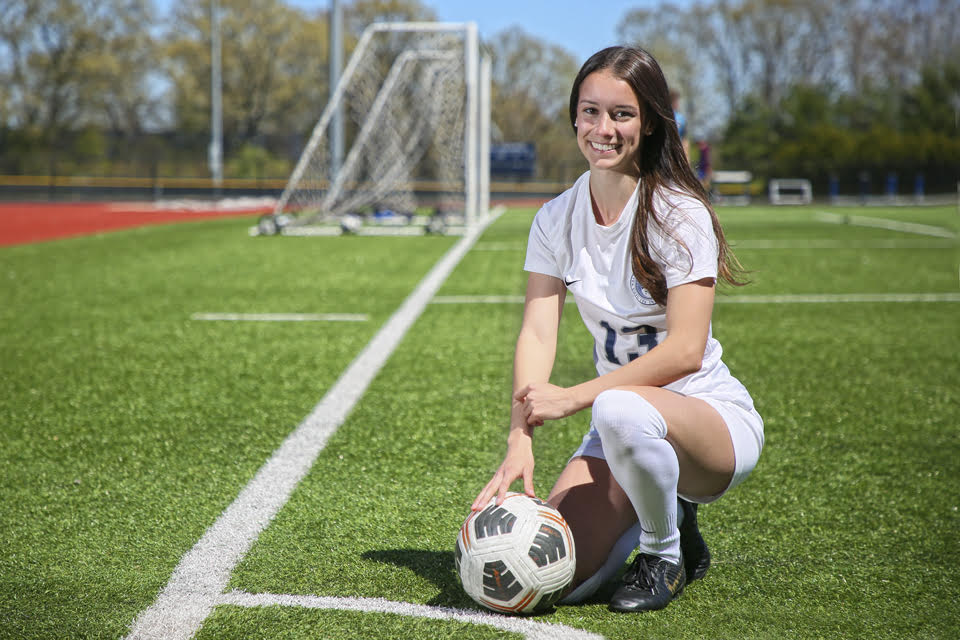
column 662, row 162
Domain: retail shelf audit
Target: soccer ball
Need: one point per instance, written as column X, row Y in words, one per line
column 517, row 557
column 350, row 223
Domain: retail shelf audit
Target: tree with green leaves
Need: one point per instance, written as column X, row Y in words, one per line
column 275, row 71
column 360, row 14
column 531, row 91
column 68, row 65
column 812, row 88
column 274, row 68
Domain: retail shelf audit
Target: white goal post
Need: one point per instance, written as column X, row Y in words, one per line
column 415, row 98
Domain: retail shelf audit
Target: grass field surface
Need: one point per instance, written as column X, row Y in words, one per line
column 130, row 427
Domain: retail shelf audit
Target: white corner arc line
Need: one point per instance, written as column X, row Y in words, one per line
column 530, row 629
column 204, row 571
column 281, row 317
column 884, row 223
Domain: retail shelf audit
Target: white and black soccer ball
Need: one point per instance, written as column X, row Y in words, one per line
column 350, row 223
column 272, row 224
column 517, row 557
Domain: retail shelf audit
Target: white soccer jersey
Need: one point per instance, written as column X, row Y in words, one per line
column 594, row 262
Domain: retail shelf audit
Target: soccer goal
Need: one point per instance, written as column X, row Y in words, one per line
column 790, row 191
column 415, row 102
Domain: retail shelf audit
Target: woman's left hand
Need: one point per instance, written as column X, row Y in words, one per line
column 544, row 401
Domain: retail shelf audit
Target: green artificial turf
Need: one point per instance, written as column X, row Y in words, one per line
column 128, row 428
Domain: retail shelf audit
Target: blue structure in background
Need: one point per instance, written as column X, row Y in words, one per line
column 892, row 183
column 513, row 160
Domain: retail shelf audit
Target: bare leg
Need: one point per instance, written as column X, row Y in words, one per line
column 699, row 437
column 596, row 508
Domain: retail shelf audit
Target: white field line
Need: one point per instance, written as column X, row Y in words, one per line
column 530, row 629
column 199, row 580
column 281, row 317
column 839, row 244
column 478, row 300
column 844, row 298
column 884, row 223
column 782, row 244
column 824, row 298
column 500, row 246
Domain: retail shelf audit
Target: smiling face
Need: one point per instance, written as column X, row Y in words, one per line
column 610, row 127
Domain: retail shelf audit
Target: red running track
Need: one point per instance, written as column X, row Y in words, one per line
column 25, row 222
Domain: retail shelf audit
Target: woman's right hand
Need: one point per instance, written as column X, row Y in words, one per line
column 518, row 463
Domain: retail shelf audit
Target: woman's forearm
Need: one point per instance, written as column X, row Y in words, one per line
column 665, row 363
column 533, row 362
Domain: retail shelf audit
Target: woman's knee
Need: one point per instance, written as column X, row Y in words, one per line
column 620, row 415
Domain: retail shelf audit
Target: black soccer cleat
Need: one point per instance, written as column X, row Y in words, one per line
column 692, row 545
column 649, row 584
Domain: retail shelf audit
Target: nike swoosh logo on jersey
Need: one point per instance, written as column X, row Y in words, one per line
column 570, row 282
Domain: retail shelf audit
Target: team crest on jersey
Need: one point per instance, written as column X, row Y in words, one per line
column 642, row 295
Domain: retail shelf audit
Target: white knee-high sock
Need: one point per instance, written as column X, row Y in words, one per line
column 645, row 465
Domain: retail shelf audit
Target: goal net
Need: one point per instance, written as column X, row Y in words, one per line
column 414, row 101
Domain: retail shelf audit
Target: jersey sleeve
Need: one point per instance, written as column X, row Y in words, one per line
column 541, row 254
column 694, row 259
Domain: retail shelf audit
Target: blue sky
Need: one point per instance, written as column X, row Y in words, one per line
column 580, row 27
